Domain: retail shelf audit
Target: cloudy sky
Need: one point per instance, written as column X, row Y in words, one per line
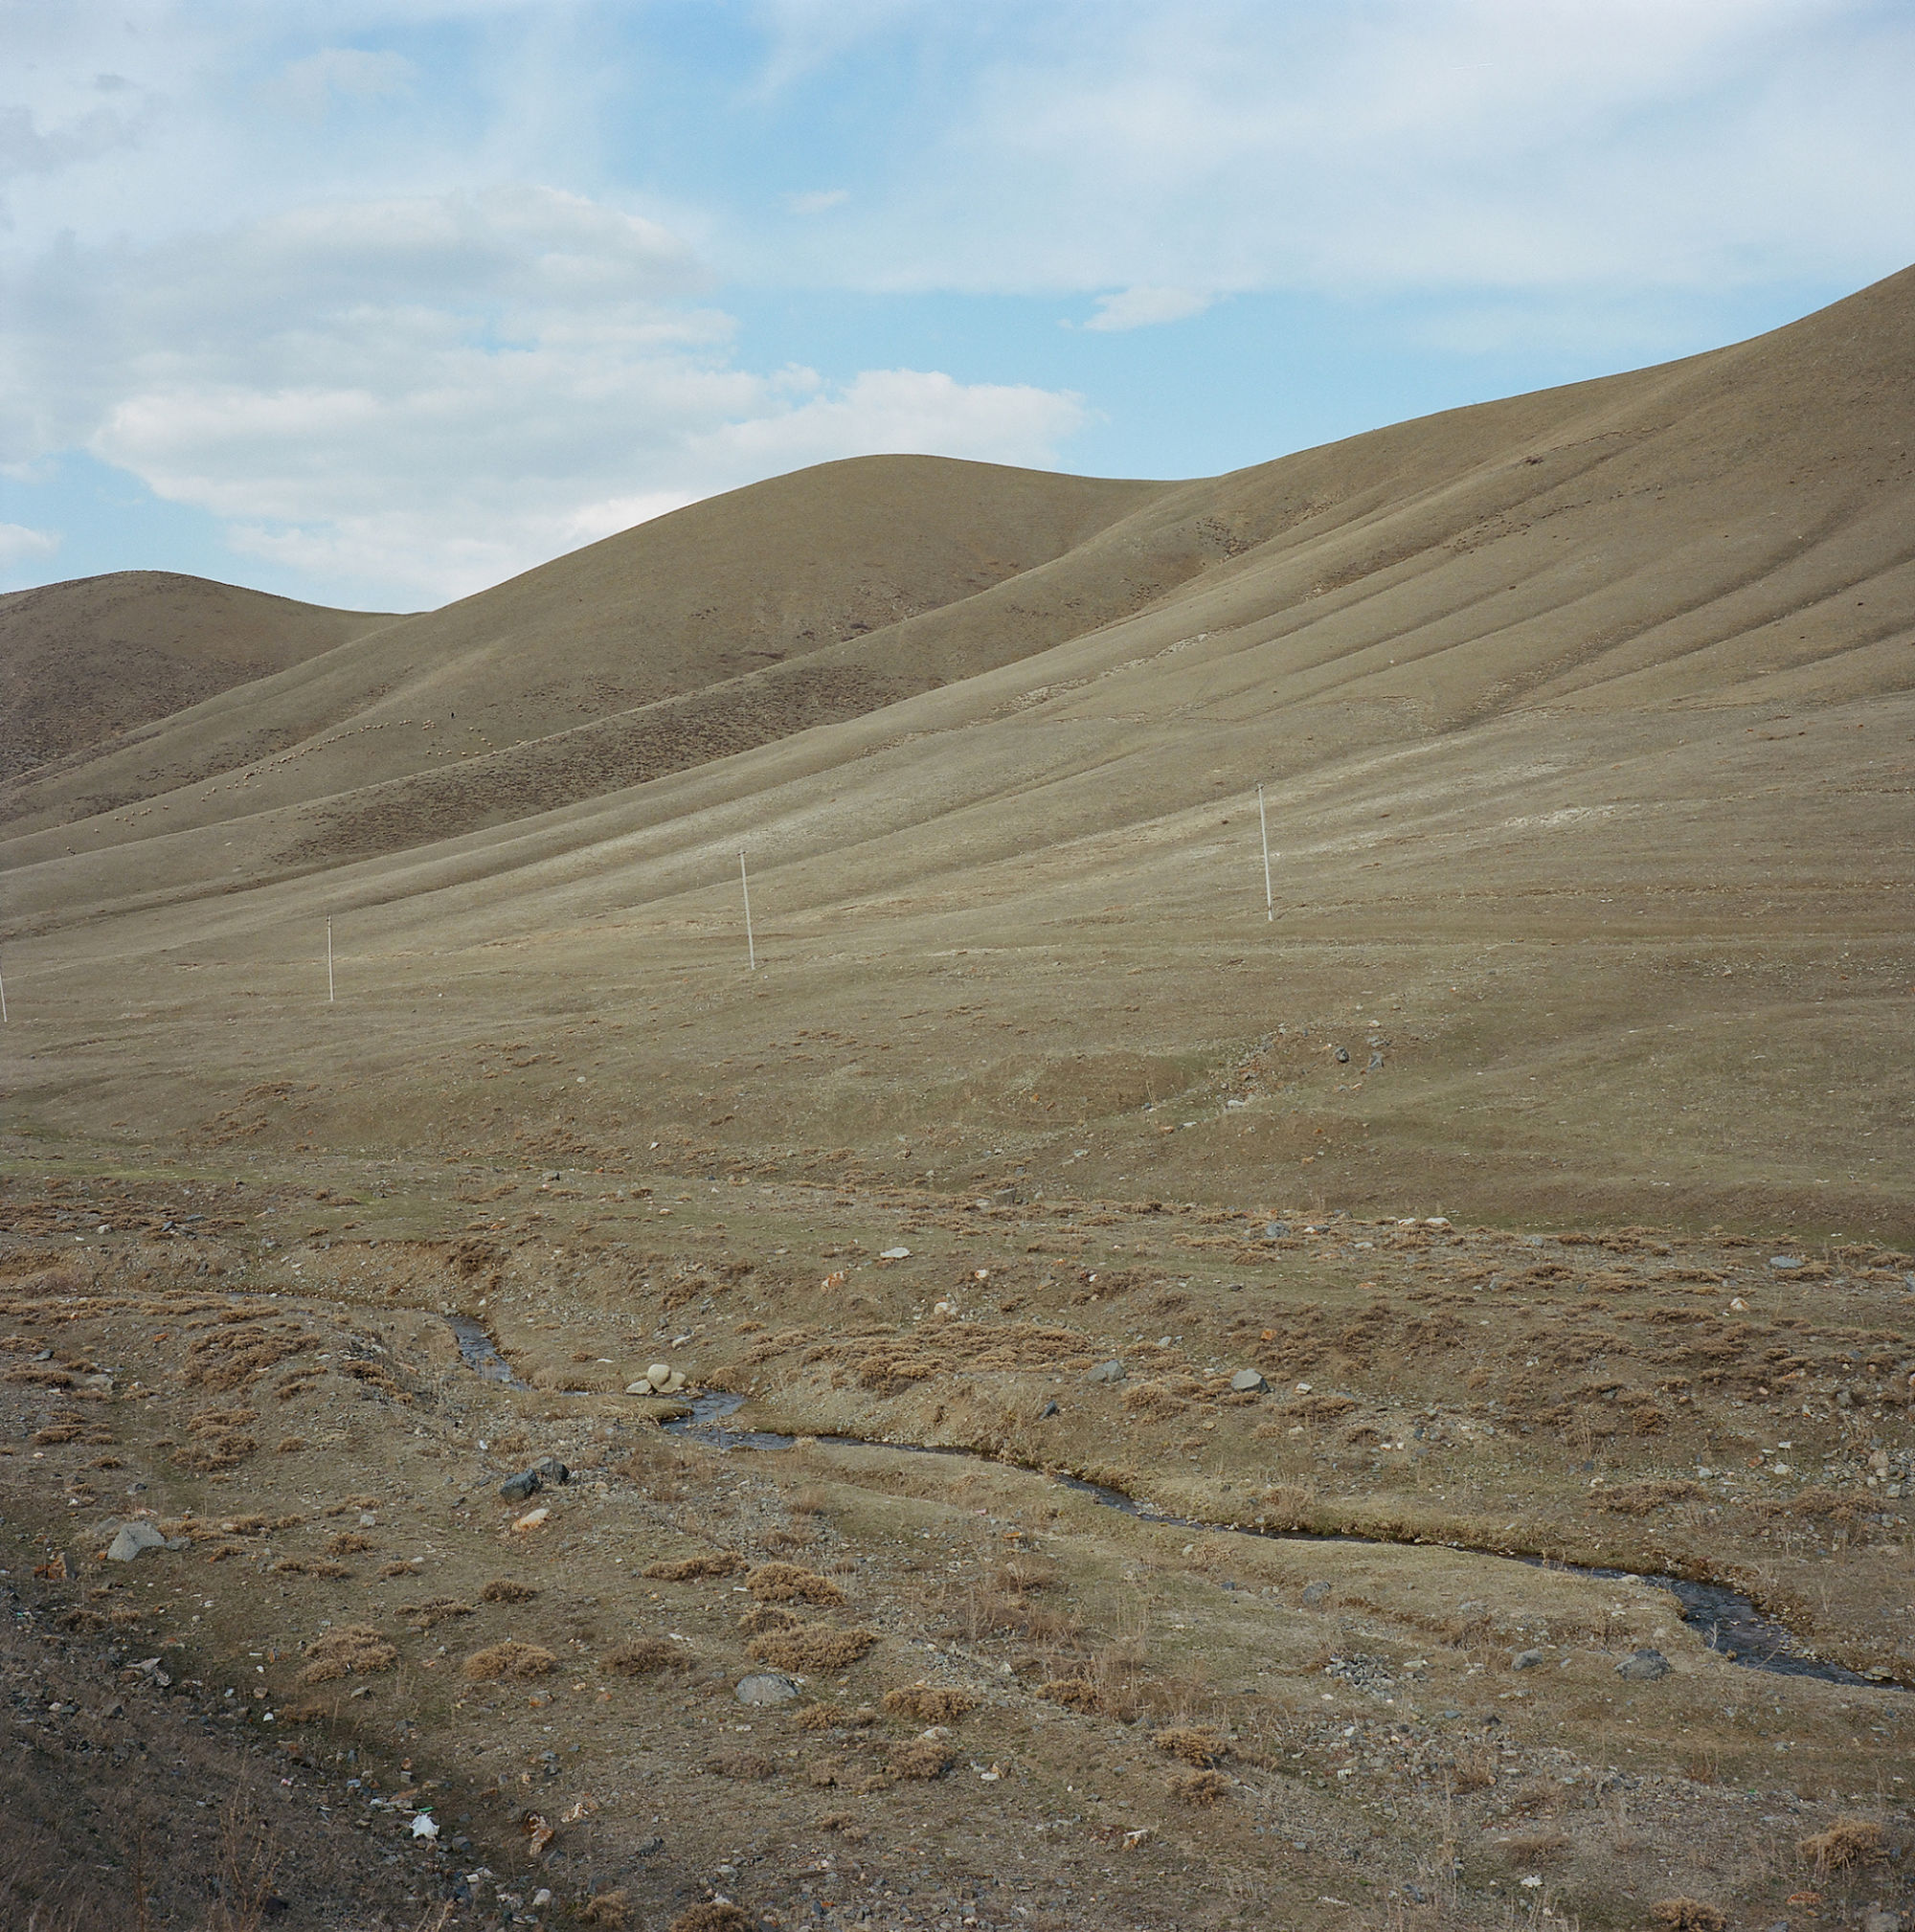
column 376, row 302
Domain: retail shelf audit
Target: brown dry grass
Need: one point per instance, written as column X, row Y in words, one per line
column 811, row 1647
column 356, row 1651
column 506, row 1660
column 789, row 1584
column 713, row 1564
column 1075, row 1693
column 767, row 1617
column 922, row 1758
column 1199, row 1787
column 1202, row 1748
column 647, row 1657
column 507, row 1591
column 930, row 1703
column 1847, row 1843
column 612, row 1910
column 435, row 1610
column 1688, row 1915
column 716, row 1915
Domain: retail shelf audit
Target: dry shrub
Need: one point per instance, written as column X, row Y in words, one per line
column 1288, row 1506
column 1828, row 1504
column 930, row 1703
column 290, row 1446
column 1688, row 1915
column 646, row 1657
column 610, row 1909
column 209, row 1454
column 755, row 1621
column 713, row 1564
column 1075, row 1693
column 348, row 1542
column 836, row 1717
column 747, row 1767
column 811, row 1647
column 923, row 1757
column 789, row 1583
column 1640, row 1500
column 57, row 1432
column 810, row 1502
column 1202, row 1748
column 324, row 1567
column 399, row 1566
column 356, row 1651
column 507, row 1591
column 1027, row 1573
column 1847, row 1843
column 716, row 1915
column 1153, row 1402
column 299, row 1713
column 435, row 1610
column 1199, row 1787
column 509, row 1659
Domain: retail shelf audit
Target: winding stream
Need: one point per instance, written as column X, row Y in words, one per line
column 1729, row 1621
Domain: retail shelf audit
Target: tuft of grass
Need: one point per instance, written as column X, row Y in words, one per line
column 646, row 1657
column 1847, row 1843
column 435, row 1610
column 1075, row 1693
column 1201, row 1748
column 609, row 1909
column 716, row 1915
column 509, row 1659
column 507, row 1591
column 930, row 1703
column 755, row 1623
column 811, row 1647
column 1688, row 1915
column 712, row 1563
column 356, row 1651
column 1199, row 1787
column 791, row 1583
column 348, row 1542
column 923, row 1757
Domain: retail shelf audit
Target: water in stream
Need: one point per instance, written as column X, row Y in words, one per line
column 1729, row 1621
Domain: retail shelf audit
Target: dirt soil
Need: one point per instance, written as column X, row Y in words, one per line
column 1149, row 1724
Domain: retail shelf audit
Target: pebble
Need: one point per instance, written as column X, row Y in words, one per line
column 1107, row 1371
column 766, row 1687
column 1785, row 1261
column 1644, row 1666
column 1314, row 1593
column 1248, row 1382
column 896, row 1254
column 1525, row 1660
column 1275, row 1231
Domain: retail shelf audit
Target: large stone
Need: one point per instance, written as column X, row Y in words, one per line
column 1248, row 1382
column 659, row 1374
column 550, row 1469
column 516, row 1488
column 766, row 1687
column 1314, row 1593
column 132, row 1540
column 1644, row 1666
column 1107, row 1371
column 1526, row 1660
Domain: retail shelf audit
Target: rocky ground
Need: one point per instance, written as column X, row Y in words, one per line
column 992, row 1698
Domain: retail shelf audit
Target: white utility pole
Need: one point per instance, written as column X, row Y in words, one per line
column 744, row 886
column 1263, row 826
column 329, row 958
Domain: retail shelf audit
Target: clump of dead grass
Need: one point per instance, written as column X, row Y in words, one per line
column 712, row 1563
column 1847, row 1844
column 835, row 1716
column 646, row 1657
column 507, row 1591
column 356, row 1651
column 612, row 1910
column 811, row 1647
column 930, row 1703
column 435, row 1610
column 1190, row 1746
column 923, row 1757
column 498, row 1662
column 1688, row 1915
column 767, row 1617
column 348, row 1542
column 1641, row 1499
column 1075, row 1693
column 791, row 1584
column 716, row 1915
column 1199, row 1787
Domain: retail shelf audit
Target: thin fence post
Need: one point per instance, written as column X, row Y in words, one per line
column 1263, row 826
column 329, row 958
column 744, row 886
column 3, row 998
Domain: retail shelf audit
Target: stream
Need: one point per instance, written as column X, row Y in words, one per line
column 1729, row 1621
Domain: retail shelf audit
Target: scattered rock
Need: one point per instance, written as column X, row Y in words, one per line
column 1048, row 1410
column 1785, row 1261
column 134, row 1538
column 550, row 1469
column 1106, row 1372
column 1342, row 1056
column 1275, row 1231
column 1880, row 1920
column 1643, row 1667
column 1526, row 1660
column 766, row 1687
column 659, row 1374
column 1314, row 1593
column 1248, row 1382
column 516, row 1488
column 895, row 1254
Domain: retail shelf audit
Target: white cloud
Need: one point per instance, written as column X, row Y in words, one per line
column 411, row 398
column 818, row 200
column 1144, row 307
column 19, row 545
column 319, row 81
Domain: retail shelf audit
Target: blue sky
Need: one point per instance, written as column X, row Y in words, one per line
column 378, row 304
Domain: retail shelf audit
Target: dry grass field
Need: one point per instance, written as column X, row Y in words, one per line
column 1543, row 1149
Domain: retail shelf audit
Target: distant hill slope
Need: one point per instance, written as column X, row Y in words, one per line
column 83, row 660
column 782, row 582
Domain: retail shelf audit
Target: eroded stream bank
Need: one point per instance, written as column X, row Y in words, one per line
column 1729, row 1621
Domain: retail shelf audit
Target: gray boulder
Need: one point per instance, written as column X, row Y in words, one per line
column 550, row 1469
column 766, row 1687
column 516, row 1488
column 1106, row 1372
column 1525, row 1660
column 1314, row 1593
column 134, row 1538
column 1644, row 1666
column 1248, row 1382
